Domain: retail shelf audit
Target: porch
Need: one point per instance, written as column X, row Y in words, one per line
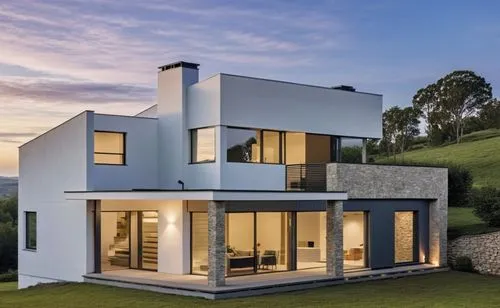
column 240, row 286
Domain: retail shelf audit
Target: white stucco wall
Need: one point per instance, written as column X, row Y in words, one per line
column 141, row 148
column 259, row 103
column 50, row 164
column 203, row 104
column 151, row 112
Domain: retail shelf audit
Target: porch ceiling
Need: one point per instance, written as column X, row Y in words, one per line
column 216, row 195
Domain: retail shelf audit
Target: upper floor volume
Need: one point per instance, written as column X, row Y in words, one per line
column 224, row 132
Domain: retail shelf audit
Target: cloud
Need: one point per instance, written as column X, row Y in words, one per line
column 11, row 135
column 54, row 90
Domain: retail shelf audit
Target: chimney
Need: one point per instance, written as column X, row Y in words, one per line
column 173, row 81
column 345, row 88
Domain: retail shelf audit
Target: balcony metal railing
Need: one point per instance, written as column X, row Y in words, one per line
column 306, row 177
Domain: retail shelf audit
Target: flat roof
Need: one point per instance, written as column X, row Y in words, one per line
column 216, row 195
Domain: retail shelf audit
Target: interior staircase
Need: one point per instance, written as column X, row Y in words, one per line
column 150, row 241
column 119, row 251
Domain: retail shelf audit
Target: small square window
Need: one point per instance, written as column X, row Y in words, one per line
column 31, row 230
column 109, row 148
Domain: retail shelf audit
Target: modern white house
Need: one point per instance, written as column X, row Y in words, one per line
column 223, row 180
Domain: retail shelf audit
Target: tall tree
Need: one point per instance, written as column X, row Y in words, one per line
column 461, row 94
column 490, row 114
column 426, row 101
column 400, row 126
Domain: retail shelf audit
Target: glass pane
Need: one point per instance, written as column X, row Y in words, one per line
column 115, row 241
column 354, row 240
column 271, row 147
column 240, row 244
column 351, row 150
column 295, row 148
column 108, row 142
column 199, row 243
column 203, row 145
column 317, row 149
column 112, row 159
column 311, row 240
column 404, row 236
column 150, row 240
column 272, row 242
column 31, row 230
column 243, row 145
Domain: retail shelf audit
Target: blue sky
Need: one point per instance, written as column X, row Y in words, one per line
column 58, row 57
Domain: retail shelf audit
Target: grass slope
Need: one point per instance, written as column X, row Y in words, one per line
column 450, row 289
column 481, row 157
column 462, row 221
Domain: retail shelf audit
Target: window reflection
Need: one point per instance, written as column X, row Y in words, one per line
column 203, row 145
column 271, row 145
column 243, row 145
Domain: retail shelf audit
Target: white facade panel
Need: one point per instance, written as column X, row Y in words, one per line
column 259, row 103
column 141, row 154
column 253, row 176
column 50, row 164
column 203, row 106
column 151, row 112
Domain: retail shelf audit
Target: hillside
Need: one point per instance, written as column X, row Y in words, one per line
column 479, row 152
column 8, row 186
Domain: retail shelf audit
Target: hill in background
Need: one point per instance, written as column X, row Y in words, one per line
column 8, row 186
column 479, row 152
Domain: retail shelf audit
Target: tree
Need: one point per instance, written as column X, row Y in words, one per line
column 426, row 101
column 8, row 234
column 461, row 94
column 489, row 116
column 400, row 126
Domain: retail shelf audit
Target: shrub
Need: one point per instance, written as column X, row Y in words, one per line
column 459, row 186
column 463, row 264
column 486, row 202
column 9, row 276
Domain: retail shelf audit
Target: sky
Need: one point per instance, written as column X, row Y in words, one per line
column 60, row 57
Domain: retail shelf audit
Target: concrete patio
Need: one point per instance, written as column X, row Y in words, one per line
column 194, row 285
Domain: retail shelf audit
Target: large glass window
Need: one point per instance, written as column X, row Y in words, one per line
column 30, row 230
column 404, row 237
column 243, row 145
column 240, row 241
column 115, row 240
column 109, row 148
column 199, row 243
column 272, row 242
column 351, row 150
column 354, row 240
column 149, row 240
column 271, row 147
column 203, row 145
column 311, row 240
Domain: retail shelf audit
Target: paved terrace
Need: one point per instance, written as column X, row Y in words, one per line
column 194, row 285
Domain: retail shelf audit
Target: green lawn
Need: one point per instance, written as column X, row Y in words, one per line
column 462, row 221
column 451, row 289
column 481, row 157
column 8, row 286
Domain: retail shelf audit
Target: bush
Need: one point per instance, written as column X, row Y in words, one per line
column 463, row 264
column 9, row 276
column 486, row 202
column 459, row 186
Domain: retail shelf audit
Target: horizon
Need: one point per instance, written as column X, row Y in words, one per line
column 58, row 58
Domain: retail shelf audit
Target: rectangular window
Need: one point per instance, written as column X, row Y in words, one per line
column 109, row 148
column 30, row 230
column 404, row 237
column 271, row 147
column 203, row 145
column 243, row 145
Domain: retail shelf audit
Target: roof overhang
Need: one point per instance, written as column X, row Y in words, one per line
column 216, row 195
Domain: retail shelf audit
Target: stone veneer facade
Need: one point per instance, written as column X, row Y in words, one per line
column 482, row 249
column 334, row 239
column 364, row 181
column 216, row 243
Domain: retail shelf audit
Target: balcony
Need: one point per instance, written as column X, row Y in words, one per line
column 306, row 177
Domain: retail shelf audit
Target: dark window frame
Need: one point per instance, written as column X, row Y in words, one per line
column 27, row 230
column 191, row 146
column 260, row 133
column 123, row 155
